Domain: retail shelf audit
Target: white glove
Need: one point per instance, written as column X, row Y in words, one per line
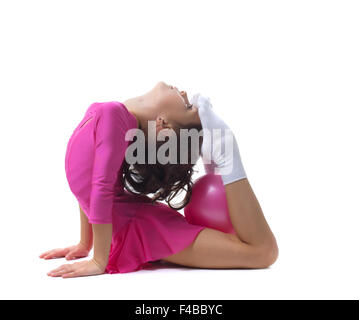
column 220, row 153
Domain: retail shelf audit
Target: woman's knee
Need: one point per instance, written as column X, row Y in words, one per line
column 268, row 254
column 256, row 256
column 259, row 256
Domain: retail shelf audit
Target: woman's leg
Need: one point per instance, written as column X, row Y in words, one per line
column 253, row 247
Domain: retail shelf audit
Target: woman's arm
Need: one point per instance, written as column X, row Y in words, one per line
column 109, row 154
column 102, row 243
column 86, row 231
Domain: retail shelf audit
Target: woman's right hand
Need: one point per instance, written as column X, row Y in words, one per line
column 69, row 253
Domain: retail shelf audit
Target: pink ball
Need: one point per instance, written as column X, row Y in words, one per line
column 208, row 204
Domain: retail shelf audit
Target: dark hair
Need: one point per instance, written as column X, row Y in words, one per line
column 165, row 181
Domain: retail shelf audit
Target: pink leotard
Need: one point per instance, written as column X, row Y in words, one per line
column 94, row 158
column 142, row 231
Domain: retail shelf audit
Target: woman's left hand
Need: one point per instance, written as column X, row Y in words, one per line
column 78, row 269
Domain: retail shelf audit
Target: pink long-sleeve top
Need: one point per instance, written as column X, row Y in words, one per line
column 94, row 158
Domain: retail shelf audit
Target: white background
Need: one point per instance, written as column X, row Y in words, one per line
column 283, row 74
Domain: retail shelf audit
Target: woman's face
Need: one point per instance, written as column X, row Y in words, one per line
column 175, row 107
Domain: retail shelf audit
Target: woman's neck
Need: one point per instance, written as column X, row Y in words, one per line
column 142, row 109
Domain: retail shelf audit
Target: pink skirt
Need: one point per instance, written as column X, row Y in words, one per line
column 145, row 232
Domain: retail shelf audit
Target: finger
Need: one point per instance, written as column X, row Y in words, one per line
column 53, row 273
column 46, row 253
column 53, row 256
column 78, row 273
column 74, row 270
column 55, row 253
column 57, row 269
column 60, row 269
column 43, row 254
column 49, row 255
column 72, row 274
column 59, row 273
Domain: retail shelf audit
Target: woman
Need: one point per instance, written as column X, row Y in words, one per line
column 127, row 228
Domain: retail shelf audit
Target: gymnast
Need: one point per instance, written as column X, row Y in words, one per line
column 127, row 211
